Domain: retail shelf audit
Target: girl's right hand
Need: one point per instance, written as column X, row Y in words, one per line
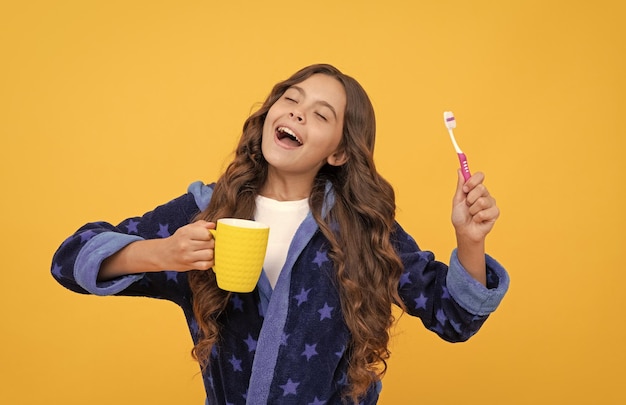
column 191, row 247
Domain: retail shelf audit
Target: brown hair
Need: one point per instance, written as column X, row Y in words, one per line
column 367, row 267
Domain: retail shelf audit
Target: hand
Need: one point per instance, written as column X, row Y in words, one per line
column 191, row 247
column 474, row 210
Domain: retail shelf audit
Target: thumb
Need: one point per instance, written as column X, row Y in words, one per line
column 459, row 195
column 205, row 224
column 201, row 229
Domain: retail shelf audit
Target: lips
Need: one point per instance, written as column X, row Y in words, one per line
column 288, row 137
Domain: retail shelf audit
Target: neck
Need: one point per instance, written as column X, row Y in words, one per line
column 286, row 187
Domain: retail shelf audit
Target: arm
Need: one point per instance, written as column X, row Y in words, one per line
column 79, row 260
column 454, row 301
column 189, row 248
column 474, row 213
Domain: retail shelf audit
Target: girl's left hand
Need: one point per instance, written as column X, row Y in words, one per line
column 474, row 210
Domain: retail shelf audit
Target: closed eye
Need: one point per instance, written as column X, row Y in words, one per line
column 321, row 116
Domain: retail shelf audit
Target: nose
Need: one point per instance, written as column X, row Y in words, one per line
column 297, row 115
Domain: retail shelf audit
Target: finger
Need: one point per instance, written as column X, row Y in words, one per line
column 201, row 245
column 490, row 214
column 203, row 255
column 202, row 259
column 482, row 203
column 471, row 183
column 200, row 230
column 204, row 224
column 206, row 258
column 203, row 265
column 478, row 192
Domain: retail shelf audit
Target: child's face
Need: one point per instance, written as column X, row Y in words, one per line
column 303, row 128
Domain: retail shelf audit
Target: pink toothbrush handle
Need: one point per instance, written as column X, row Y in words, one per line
column 464, row 166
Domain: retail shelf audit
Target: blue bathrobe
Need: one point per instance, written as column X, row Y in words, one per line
column 286, row 345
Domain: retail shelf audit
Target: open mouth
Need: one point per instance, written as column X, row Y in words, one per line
column 288, row 137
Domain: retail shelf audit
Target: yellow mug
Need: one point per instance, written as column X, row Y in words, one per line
column 240, row 246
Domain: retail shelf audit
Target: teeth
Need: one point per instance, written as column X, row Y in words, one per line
column 289, row 132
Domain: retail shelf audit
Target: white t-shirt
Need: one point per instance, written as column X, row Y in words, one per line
column 283, row 218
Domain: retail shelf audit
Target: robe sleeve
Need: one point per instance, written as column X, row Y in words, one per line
column 446, row 298
column 76, row 263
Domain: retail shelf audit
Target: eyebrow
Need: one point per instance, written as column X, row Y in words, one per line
column 322, row 102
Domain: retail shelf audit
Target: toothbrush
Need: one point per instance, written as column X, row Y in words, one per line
column 450, row 122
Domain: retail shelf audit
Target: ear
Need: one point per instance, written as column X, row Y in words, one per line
column 338, row 158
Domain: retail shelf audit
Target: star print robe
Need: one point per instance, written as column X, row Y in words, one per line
column 285, row 345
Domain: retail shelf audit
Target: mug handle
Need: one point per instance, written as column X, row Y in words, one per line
column 214, row 233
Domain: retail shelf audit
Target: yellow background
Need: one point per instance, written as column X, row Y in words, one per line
column 109, row 108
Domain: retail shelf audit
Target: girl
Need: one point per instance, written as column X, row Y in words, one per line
column 315, row 330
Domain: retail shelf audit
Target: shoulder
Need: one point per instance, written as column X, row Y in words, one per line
column 202, row 193
column 402, row 240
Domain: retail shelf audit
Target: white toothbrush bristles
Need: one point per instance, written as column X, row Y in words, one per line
column 450, row 122
column 448, row 118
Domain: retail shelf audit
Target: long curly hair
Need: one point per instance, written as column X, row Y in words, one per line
column 358, row 227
